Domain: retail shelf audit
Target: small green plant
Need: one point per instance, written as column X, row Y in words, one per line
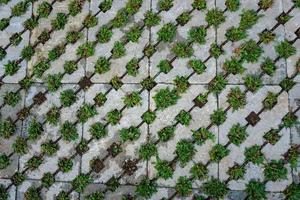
column 20, row 8
column 132, row 67
column 270, row 101
column 252, row 82
column 146, row 188
column 60, row 21
column 26, row 83
column 147, row 150
column 148, row 83
column 27, row 52
column 86, row 50
column 197, row 65
column 199, row 171
column 149, row 50
column 18, row 178
column 165, row 98
column 265, row 4
column 183, row 186
column 32, row 193
column 272, row 136
column 236, row 98
column 181, row 83
column 132, row 133
column 54, row 82
column 199, row 4
column 121, row 19
column 253, row 154
column 217, row 84
column 34, row 162
column 197, row 34
column 165, row 5
column 95, row 196
column 40, row 68
column 118, row 50
column 112, row 184
column 184, row 18
column 256, row 190
column 35, row 130
column 182, row 50
column 267, row 36
column 235, row 34
column 215, row 188
column 237, row 134
column 85, row 112
column 81, row 182
column 201, row 135
column 49, row 148
column 184, row 118
column 149, row 117
column 215, row 50
column 102, row 65
column 56, row 52
column 98, row 130
column 2, row 51
column 268, row 66
column 114, row 116
column 73, row 36
column 132, row 99
column 20, row 146
column 232, row 5
column 166, row 133
column 68, row 131
column 167, row 33
column 234, row 66
column 12, row 98
column 236, row 172
column 275, row 170
column 215, row 17
column 70, row 66
column 44, row 36
column 75, row 7
column 67, row 97
column 44, row 9
column 11, row 68
column 7, row 128
column 250, row 51
column 65, row 165
column 287, row 84
column 293, row 156
column 185, row 151
column 285, row 49
column 164, row 66
column 116, row 82
column 53, row 116
column 105, row 5
column 284, row 18
column 134, row 34
column 296, row 3
column 48, row 180
column 62, row 195
column 218, row 117
column 15, row 39
column 248, row 19
column 31, row 23
column 292, row 192
column 289, row 120
column 133, row 6
column 90, row 21
column 104, row 34
column 151, row 19
column 4, row 23
column 3, row 193
column 115, row 149
column 4, row 161
column 218, row 152
column 164, row 169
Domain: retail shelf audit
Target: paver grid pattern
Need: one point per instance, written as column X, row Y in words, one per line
column 118, row 67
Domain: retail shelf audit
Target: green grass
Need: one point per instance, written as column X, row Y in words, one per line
column 151, row 19
column 102, row 65
column 184, row 118
column 268, row 66
column 165, row 98
column 218, row 117
column 201, row 135
column 35, row 130
column 116, row 83
column 236, row 172
column 183, row 186
column 147, row 150
column 114, row 116
column 275, row 170
column 149, row 117
column 49, row 148
column 7, row 128
column 199, row 4
column 90, row 21
column 166, row 133
column 182, row 50
column 20, row 146
column 236, row 98
column 105, row 5
column 56, row 52
column 27, row 52
column 165, row 5
column 70, row 67
column 235, row 34
column 68, row 131
column 272, row 136
column 185, row 151
column 233, row 66
column 60, row 21
column 15, row 39
column 100, row 99
column 18, row 178
column 252, row 82
column 65, row 165
column 164, row 169
column 134, row 34
column 184, row 18
column 237, row 134
column 4, row 23
column 267, row 36
column 32, row 193
column 232, row 5
column 73, row 36
column 130, row 134
column 44, row 10
column 250, row 51
column 270, row 101
column 85, row 112
column 215, row 50
column 292, row 192
column 12, row 98
column 256, row 190
column 40, row 68
column 118, row 50
column 104, row 34
column 75, row 7
column 95, row 196
column 132, row 99
column 4, row 161
column 148, row 83
column 215, row 188
column 284, row 49
column 54, row 81
column 167, row 33
column 34, row 162
column 248, row 19
column 164, row 66
column 81, row 182
column 132, row 67
column 20, row 8
column 197, row 34
column 217, row 84
column 197, row 65
column 253, row 154
column 146, row 188
column 199, row 171
column 86, row 50
column 98, row 130
column 265, row 4
column 68, row 97
column 215, row 17
column 182, row 84
column 218, row 152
